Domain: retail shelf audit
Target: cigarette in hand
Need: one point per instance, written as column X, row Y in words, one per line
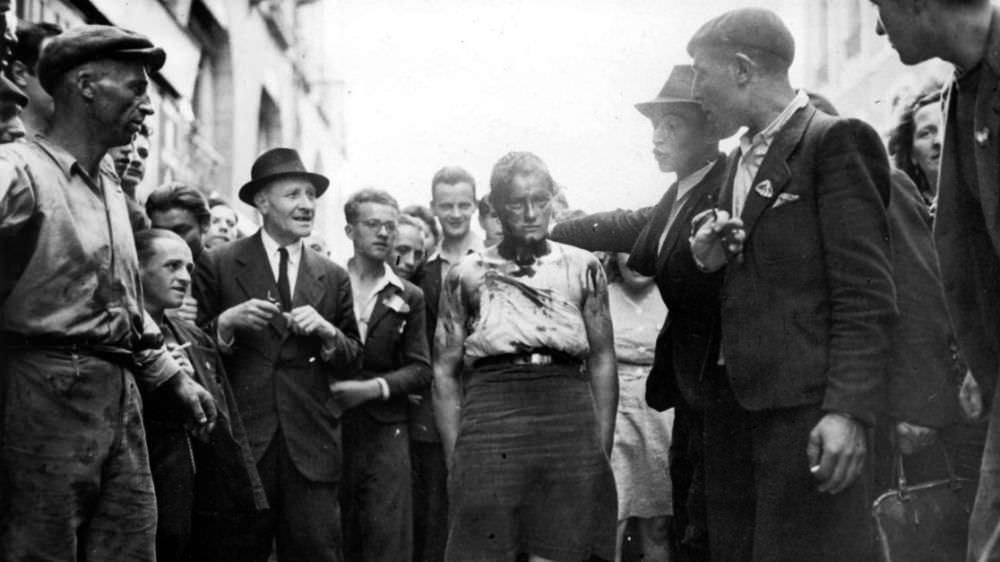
column 814, row 469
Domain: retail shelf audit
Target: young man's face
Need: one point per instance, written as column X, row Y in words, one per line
column 900, row 21
column 130, row 162
column 680, row 136
column 453, row 205
column 374, row 231
column 526, row 208
column 408, row 251
column 166, row 275
column 715, row 86
column 221, row 226
column 288, row 206
column 181, row 222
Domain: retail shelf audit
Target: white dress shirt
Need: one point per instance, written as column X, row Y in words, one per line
column 271, row 248
column 753, row 150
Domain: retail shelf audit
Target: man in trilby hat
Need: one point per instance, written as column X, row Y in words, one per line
column 283, row 316
column 74, row 474
column 657, row 237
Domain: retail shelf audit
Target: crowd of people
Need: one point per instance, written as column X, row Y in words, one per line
column 731, row 374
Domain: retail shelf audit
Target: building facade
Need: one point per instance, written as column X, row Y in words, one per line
column 241, row 76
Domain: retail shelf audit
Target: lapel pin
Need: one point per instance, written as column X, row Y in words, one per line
column 764, row 189
column 983, row 136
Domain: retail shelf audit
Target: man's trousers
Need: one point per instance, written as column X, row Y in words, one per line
column 74, row 473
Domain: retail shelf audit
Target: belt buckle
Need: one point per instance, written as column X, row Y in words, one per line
column 539, row 359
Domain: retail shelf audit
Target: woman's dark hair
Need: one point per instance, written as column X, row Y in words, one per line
column 902, row 137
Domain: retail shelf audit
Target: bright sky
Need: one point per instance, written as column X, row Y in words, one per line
column 436, row 82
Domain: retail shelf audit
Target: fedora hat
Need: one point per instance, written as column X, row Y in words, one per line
column 677, row 89
column 275, row 164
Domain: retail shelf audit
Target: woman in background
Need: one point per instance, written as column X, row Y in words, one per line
column 642, row 435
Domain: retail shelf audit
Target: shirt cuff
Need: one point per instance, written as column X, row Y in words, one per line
column 383, row 387
column 224, row 346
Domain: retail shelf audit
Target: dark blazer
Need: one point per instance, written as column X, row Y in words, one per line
column 922, row 383
column 396, row 349
column 807, row 311
column 687, row 346
column 967, row 225
column 280, row 378
column 422, row 424
column 226, row 480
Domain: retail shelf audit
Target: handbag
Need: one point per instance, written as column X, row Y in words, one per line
column 926, row 522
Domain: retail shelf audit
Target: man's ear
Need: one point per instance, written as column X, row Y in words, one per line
column 19, row 73
column 349, row 231
column 744, row 68
column 85, row 80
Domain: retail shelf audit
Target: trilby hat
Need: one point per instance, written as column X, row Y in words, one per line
column 275, row 164
column 677, row 89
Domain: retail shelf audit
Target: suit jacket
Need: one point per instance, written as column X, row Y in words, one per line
column 967, row 225
column 226, row 480
column 921, row 374
column 806, row 312
column 687, row 346
column 422, row 424
column 279, row 378
column 396, row 350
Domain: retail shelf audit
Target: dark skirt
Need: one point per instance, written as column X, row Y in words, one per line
column 529, row 474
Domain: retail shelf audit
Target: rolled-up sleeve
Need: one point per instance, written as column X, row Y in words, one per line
column 153, row 366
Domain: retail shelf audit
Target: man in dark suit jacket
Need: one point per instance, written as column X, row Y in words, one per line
column 657, row 238
column 807, row 304
column 966, row 228
column 377, row 495
column 284, row 316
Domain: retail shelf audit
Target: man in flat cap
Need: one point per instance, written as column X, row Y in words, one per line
column 284, row 319
column 966, row 231
column 684, row 143
column 807, row 301
column 74, row 474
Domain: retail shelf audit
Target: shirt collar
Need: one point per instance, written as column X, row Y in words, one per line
column 438, row 256
column 389, row 277
column 687, row 182
column 764, row 137
column 271, row 247
column 68, row 163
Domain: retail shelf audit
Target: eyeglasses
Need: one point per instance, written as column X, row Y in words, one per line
column 375, row 225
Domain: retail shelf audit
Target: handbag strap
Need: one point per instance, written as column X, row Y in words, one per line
column 900, row 470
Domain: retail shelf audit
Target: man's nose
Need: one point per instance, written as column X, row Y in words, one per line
column 184, row 276
column 879, row 28
column 146, row 106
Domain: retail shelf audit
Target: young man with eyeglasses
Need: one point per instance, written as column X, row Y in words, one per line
column 377, row 497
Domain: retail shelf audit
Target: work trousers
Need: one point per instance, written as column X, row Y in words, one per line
column 75, row 483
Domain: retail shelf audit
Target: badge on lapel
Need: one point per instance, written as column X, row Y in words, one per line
column 764, row 189
column 397, row 304
column 784, row 199
column 983, row 136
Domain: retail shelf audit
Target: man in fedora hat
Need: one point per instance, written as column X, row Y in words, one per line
column 284, row 319
column 74, row 474
column 657, row 237
column 807, row 303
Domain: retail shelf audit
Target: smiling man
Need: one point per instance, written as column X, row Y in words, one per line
column 807, row 301
column 74, row 472
column 284, row 319
column 967, row 34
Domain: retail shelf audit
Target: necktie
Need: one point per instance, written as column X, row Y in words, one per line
column 283, row 289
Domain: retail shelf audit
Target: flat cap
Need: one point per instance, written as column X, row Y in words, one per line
column 754, row 28
column 86, row 43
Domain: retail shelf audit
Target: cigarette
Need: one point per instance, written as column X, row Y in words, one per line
column 183, row 345
column 814, row 469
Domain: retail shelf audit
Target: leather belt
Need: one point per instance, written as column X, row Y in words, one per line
column 111, row 353
column 543, row 356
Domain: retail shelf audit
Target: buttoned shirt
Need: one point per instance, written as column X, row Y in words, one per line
column 68, row 264
column 754, row 149
column 363, row 308
column 684, row 187
column 271, row 248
